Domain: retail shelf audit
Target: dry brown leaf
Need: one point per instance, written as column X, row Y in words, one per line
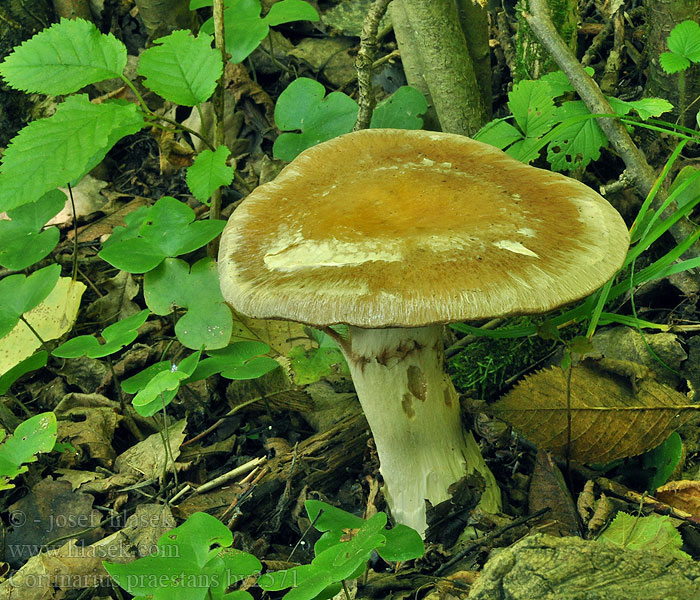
column 684, row 495
column 608, row 419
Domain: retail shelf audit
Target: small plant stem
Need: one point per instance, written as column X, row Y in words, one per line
column 179, row 127
column 218, row 102
column 142, row 102
column 345, row 590
column 303, row 535
column 74, row 274
column 165, row 436
column 364, row 62
column 34, row 331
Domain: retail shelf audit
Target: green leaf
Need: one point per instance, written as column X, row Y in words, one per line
column 167, row 229
column 533, row 107
column 684, row 39
column 692, row 191
column 182, row 68
column 188, row 564
column 208, row 321
column 240, row 360
column 312, row 364
column 19, row 294
column 137, row 382
column 209, row 172
column 32, row 363
column 37, row 434
column 287, row 11
column 116, row 336
column 662, row 461
column 402, row 543
column 302, row 106
column 50, row 152
column 645, row 107
column 673, row 63
column 64, row 58
column 162, row 388
column 244, row 27
column 327, row 518
column 655, row 533
column 498, row 133
column 577, row 144
column 22, row 241
column 400, row 110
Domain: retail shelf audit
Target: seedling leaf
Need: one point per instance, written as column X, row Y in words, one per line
column 208, row 172
column 302, row 106
column 208, row 322
column 64, row 58
column 116, row 336
column 23, row 241
column 182, row 68
column 684, row 40
column 50, row 152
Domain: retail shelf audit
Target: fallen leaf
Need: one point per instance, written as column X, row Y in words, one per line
column 608, row 420
column 684, row 495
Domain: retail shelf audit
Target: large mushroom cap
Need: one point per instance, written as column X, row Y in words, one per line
column 388, row 227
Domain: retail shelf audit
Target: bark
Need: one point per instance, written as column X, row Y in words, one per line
column 681, row 89
column 474, row 20
column 437, row 61
column 532, row 58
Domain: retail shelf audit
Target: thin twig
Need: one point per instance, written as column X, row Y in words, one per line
column 363, row 63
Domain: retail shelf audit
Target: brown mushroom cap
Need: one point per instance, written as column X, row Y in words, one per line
column 388, row 227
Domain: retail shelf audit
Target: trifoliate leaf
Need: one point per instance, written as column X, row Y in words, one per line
column 655, row 533
column 400, row 110
column 116, row 336
column 208, row 321
column 302, row 106
column 577, row 144
column 166, row 229
column 64, row 58
column 533, row 107
column 244, row 27
column 20, row 294
column 182, row 68
column 49, row 153
column 684, row 39
column 22, row 241
column 208, row 172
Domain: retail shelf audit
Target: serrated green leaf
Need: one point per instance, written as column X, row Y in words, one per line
column 167, row 229
column 533, row 107
column 577, row 144
column 400, row 110
column 655, row 533
column 50, row 152
column 208, row 321
column 22, row 241
column 302, row 106
column 498, row 133
column 19, row 294
column 64, row 58
column 208, row 172
column 645, row 107
column 673, row 63
column 116, row 336
column 32, row 363
column 37, row 434
column 287, row 11
column 684, row 39
column 182, row 68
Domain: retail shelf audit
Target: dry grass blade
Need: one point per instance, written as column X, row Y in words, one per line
column 609, row 418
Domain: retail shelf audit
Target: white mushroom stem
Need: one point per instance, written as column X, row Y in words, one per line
column 414, row 413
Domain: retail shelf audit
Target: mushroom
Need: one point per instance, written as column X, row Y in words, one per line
column 396, row 233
